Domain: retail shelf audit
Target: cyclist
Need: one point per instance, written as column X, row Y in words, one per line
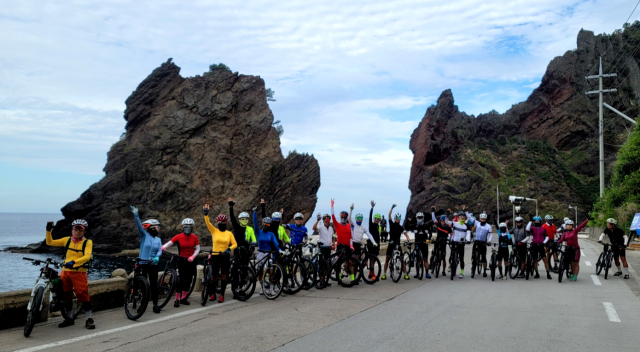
column 188, row 248
column 570, row 235
column 222, row 240
column 550, row 227
column 539, row 238
column 325, row 234
column 298, row 231
column 374, row 230
column 244, row 236
column 461, row 234
column 422, row 236
column 267, row 242
column 618, row 244
column 150, row 252
column 276, row 218
column 343, row 231
column 504, row 238
column 483, row 234
column 358, row 234
column 395, row 230
column 444, row 231
column 520, row 239
column 74, row 273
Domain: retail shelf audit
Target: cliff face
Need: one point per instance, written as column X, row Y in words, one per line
column 545, row 147
column 191, row 141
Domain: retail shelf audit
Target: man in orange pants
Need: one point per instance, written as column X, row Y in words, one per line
column 74, row 274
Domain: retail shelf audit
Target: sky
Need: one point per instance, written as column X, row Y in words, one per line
column 352, row 80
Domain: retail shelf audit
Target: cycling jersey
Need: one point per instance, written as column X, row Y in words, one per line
column 483, row 232
column 74, row 252
column 571, row 237
column 298, row 233
column 374, row 229
column 186, row 244
column 442, row 231
column 422, row 233
column 150, row 246
column 343, row 231
column 358, row 233
column 250, row 235
column 551, row 231
column 221, row 240
column 395, row 230
column 325, row 234
column 240, row 233
column 538, row 234
column 435, row 221
column 504, row 239
column 616, row 236
column 519, row 234
column 266, row 239
column 461, row 232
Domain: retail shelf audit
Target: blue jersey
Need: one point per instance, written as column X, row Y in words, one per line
column 150, row 247
column 298, row 233
column 266, row 240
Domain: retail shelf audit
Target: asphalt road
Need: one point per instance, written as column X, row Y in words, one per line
column 591, row 314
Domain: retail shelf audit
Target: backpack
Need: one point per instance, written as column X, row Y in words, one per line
column 86, row 265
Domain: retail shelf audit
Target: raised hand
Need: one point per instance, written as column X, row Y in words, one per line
column 205, row 209
column 332, row 202
column 255, row 207
column 49, row 226
column 373, row 204
column 231, row 202
column 134, row 210
column 319, row 217
column 393, row 206
column 351, row 206
column 262, row 201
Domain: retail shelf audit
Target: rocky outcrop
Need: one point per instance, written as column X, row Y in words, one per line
column 545, row 147
column 191, row 141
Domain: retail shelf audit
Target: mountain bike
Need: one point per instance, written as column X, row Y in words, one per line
column 243, row 277
column 302, row 253
column 395, row 264
column 604, row 260
column 294, row 271
column 136, row 296
column 270, row 273
column 552, row 257
column 493, row 263
column 454, row 260
column 323, row 265
column 168, row 281
column 48, row 282
column 514, row 263
column 344, row 266
column 436, row 257
column 413, row 258
column 475, row 258
column 528, row 264
column 371, row 263
column 564, row 266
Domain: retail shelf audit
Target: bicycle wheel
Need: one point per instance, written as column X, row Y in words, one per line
column 246, row 283
column 372, row 264
column 167, row 286
column 607, row 266
column 514, row 266
column 137, row 297
column 295, row 277
column 347, row 270
column 312, row 273
column 493, row 266
column 193, row 284
column 396, row 267
column 479, row 266
column 561, row 268
column 323, row 274
column 34, row 313
column 599, row 263
column 406, row 260
column 436, row 265
column 419, row 263
column 272, row 281
column 77, row 308
column 206, row 281
column 431, row 261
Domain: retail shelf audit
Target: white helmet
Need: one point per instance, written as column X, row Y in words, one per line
column 568, row 222
column 419, row 215
column 276, row 215
column 548, row 217
column 612, row 221
column 80, row 222
column 483, row 216
column 298, row 215
column 243, row 215
column 150, row 222
column 502, row 224
column 188, row 221
column 519, row 219
column 566, row 219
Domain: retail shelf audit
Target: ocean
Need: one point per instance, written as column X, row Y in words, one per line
column 17, row 230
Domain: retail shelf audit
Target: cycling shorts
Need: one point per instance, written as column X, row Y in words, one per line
column 357, row 248
column 618, row 251
column 538, row 251
column 424, row 248
column 503, row 253
column 573, row 254
column 375, row 250
column 482, row 250
column 390, row 248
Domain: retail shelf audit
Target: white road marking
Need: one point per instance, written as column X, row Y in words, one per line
column 582, row 253
column 587, row 263
column 595, row 280
column 135, row 325
column 611, row 312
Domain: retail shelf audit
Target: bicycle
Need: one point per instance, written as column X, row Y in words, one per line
column 413, row 258
column 272, row 274
column 169, row 279
column 436, row 257
column 493, row 263
column 371, row 262
column 604, row 260
column 453, row 259
column 552, row 257
column 207, row 277
column 48, row 282
column 514, row 263
column 323, row 265
column 564, row 267
column 475, row 258
column 344, row 266
column 310, row 268
column 136, row 296
column 243, row 277
column 396, row 262
column 294, row 271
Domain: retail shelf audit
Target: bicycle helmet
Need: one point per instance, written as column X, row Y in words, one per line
column 502, row 224
column 419, row 215
column 243, row 215
column 537, row 218
column 276, row 216
column 568, row 222
column 151, row 222
column 397, row 216
column 344, row 214
column 519, row 219
column 483, row 216
column 612, row 221
column 377, row 216
column 298, row 216
column 80, row 222
column 266, row 220
column 443, row 217
column 188, row 221
column 326, row 217
column 359, row 217
column 222, row 218
column 548, row 217
column 566, row 219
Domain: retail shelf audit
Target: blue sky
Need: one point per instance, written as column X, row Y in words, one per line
column 352, row 79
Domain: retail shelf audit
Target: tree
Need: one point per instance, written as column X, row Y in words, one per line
column 270, row 94
column 219, row 66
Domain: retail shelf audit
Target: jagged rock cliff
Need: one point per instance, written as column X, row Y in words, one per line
column 545, row 147
column 191, row 141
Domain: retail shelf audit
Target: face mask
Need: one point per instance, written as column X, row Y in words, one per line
column 549, row 222
column 537, row 224
column 461, row 221
column 152, row 231
column 519, row 225
column 186, row 230
column 275, row 224
column 448, row 212
column 222, row 226
column 503, row 229
column 420, row 221
column 265, row 228
column 244, row 222
column 326, row 223
column 343, row 221
column 482, row 222
column 359, row 222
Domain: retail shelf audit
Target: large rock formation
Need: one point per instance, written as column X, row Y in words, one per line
column 545, row 147
column 191, row 141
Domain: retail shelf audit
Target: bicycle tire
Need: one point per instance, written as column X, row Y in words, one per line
column 297, row 274
column 493, row 266
column 247, row 285
column 167, row 286
column 514, row 266
column 77, row 308
column 436, row 266
column 343, row 271
column 599, row 263
column 607, row 266
column 312, row 274
column 194, row 278
column 324, row 268
column 273, row 276
column 419, row 265
column 396, row 268
column 34, row 313
column 561, row 268
column 374, row 269
column 138, row 295
column 406, row 260
column 206, row 281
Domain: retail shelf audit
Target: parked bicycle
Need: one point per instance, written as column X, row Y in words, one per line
column 475, row 258
column 413, row 258
column 136, row 296
column 48, row 282
column 168, row 282
column 604, row 260
column 371, row 263
column 564, row 266
column 320, row 262
column 436, row 258
column 302, row 254
column 514, row 263
column 395, row 263
column 454, row 259
column 343, row 266
column 270, row 274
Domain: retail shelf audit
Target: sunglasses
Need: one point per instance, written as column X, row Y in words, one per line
column 299, row 219
column 78, row 228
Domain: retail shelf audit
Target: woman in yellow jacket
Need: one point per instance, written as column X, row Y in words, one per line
column 74, row 274
column 223, row 242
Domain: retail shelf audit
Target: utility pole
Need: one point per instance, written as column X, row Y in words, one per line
column 601, row 105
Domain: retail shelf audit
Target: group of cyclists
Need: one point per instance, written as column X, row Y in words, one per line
column 539, row 239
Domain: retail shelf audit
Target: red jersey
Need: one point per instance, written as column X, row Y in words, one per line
column 551, row 231
column 186, row 244
column 343, row 232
